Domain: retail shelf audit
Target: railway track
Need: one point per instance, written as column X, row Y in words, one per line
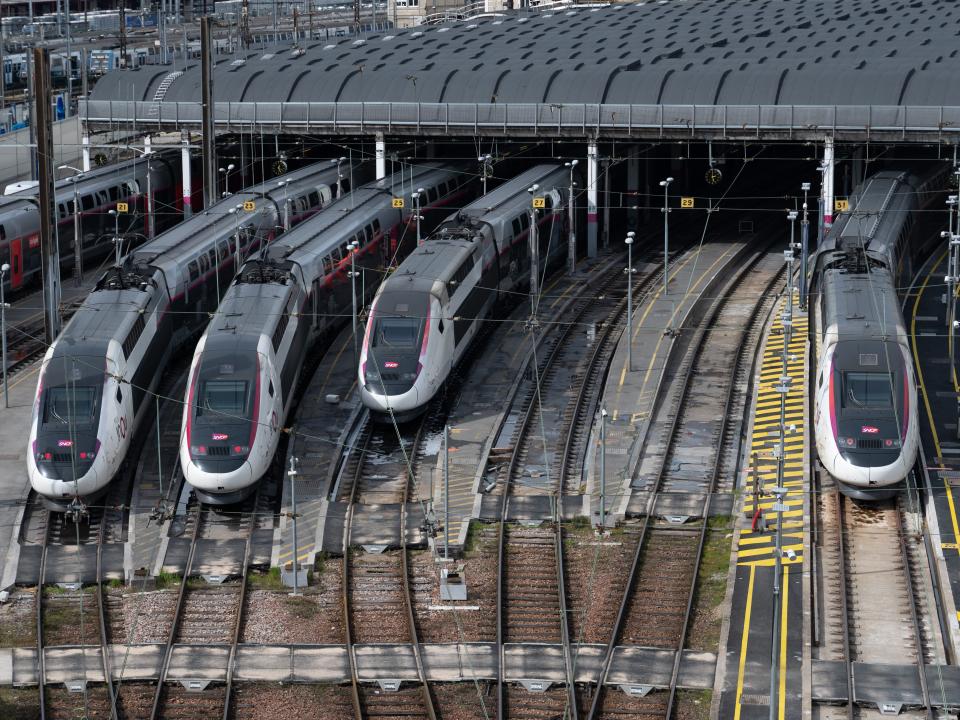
column 662, row 579
column 68, row 618
column 532, row 586
column 870, row 551
column 377, row 602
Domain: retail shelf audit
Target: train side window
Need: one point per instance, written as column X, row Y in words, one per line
column 3, row 233
column 213, row 257
column 516, row 227
column 368, row 232
column 525, row 221
column 359, row 240
column 440, row 326
column 327, row 265
column 113, row 194
column 270, row 388
column 86, row 202
column 71, row 210
column 119, row 396
column 314, row 198
column 62, row 210
column 432, row 195
column 344, row 185
column 376, row 227
column 194, row 272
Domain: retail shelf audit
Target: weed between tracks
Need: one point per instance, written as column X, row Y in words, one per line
column 711, row 586
column 167, row 580
column 19, row 703
column 693, row 704
column 18, row 622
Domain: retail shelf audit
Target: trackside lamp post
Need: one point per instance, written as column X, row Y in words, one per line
column 804, row 247
column 665, row 184
column 4, row 269
column 629, row 243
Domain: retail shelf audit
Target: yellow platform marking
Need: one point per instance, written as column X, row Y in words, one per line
column 743, row 643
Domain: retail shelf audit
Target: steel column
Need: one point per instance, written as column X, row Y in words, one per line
column 828, row 167
column 381, row 157
column 592, row 173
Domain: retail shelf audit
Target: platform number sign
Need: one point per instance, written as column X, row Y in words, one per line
column 249, row 206
column 539, row 203
column 122, row 207
column 398, row 203
column 686, row 202
column 841, row 205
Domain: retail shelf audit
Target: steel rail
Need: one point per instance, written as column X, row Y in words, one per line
column 238, row 621
column 725, row 421
column 102, row 619
column 364, row 434
column 178, row 612
column 694, row 350
column 914, row 610
column 641, row 284
column 844, row 606
column 41, row 666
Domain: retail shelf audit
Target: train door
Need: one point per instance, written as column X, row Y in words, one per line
column 16, row 263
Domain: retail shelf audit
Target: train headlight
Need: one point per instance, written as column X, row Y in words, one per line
column 198, row 450
column 847, row 442
column 892, row 443
column 241, row 449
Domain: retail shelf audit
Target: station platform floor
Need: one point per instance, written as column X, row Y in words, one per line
column 14, row 484
column 744, row 665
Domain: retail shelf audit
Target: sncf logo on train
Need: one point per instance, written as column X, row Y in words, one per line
column 390, row 364
column 220, row 436
column 869, row 430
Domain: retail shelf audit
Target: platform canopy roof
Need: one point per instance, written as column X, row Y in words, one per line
column 779, row 65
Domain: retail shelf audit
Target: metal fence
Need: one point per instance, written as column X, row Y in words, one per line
column 774, row 121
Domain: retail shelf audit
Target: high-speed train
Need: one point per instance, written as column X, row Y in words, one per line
column 427, row 312
column 98, row 190
column 248, row 361
column 97, row 377
column 866, row 395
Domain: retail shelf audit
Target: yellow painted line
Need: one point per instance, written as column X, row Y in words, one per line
column 923, row 390
column 784, row 620
column 743, row 643
column 770, row 561
column 791, row 524
column 762, row 551
column 766, row 539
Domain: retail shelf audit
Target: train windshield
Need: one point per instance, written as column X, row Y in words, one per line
column 397, row 333
column 70, row 404
column 223, row 397
column 868, row 390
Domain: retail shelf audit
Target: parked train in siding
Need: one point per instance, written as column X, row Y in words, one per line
column 866, row 395
column 97, row 377
column 98, row 190
column 425, row 314
column 248, row 362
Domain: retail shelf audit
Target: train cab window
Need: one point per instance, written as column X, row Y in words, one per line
column 867, row 390
column 73, row 404
column 225, row 397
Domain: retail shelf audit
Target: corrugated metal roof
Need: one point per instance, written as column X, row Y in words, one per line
column 695, row 51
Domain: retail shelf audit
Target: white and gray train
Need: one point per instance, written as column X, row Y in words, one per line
column 866, row 395
column 248, row 361
column 97, row 377
column 426, row 313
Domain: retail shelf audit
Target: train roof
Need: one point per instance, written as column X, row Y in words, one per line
column 243, row 315
column 507, row 193
column 434, row 261
column 862, row 305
